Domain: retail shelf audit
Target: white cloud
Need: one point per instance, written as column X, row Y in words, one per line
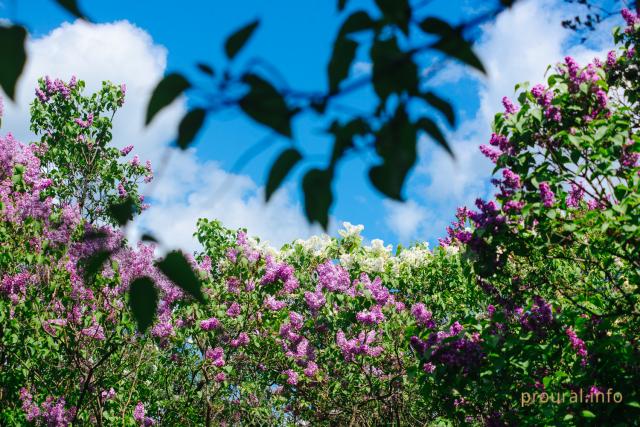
column 404, row 219
column 189, row 188
column 518, row 46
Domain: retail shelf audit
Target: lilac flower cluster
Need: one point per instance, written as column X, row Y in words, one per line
column 216, row 356
column 210, row 324
column 578, row 345
column 362, row 344
column 422, row 315
column 539, row 317
column 546, row 195
column 280, row 271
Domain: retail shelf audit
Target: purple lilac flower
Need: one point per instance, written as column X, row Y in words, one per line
column 234, row 310
column 422, row 315
column 509, row 107
column 210, row 324
column 547, row 196
column 578, row 345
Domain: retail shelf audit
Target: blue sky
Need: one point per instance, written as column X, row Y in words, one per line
column 136, row 42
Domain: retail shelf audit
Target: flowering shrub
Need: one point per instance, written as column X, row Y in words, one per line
column 533, row 292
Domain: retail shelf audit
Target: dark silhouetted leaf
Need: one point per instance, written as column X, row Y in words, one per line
column 236, row 41
column 190, row 126
column 143, row 300
column 94, row 264
column 264, row 104
column 437, row 26
column 432, row 129
column 344, row 52
column 167, row 90
column 441, row 105
column 396, row 11
column 452, row 42
column 176, row 267
column 122, row 211
column 396, row 144
column 318, row 196
column 280, row 169
column 357, row 21
column 393, row 70
column 148, row 238
column 13, row 56
column 343, row 137
column 71, row 6
column 207, row 69
column 341, row 5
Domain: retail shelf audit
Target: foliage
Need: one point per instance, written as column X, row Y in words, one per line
column 535, row 293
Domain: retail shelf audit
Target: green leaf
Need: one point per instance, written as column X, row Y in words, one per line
column 441, row 105
column 343, row 137
column 280, row 169
column 318, row 196
column 148, row 238
column 393, row 69
column 357, row 21
column 634, row 404
column 397, row 11
column 236, row 41
column 167, row 90
column 452, row 42
column 431, row 128
column 13, row 55
column 176, row 267
column 122, row 211
column 344, row 52
column 94, row 263
column 206, row 69
column 190, row 126
column 143, row 300
column 396, row 144
column 71, row 6
column 264, row 104
column 587, row 414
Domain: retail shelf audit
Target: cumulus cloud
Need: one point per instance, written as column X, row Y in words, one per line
column 518, row 46
column 404, row 219
column 189, row 188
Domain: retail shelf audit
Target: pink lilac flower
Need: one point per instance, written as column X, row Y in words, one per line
column 611, row 58
column 547, row 195
column 296, row 319
column 242, row 340
column 490, row 153
column 429, row 367
column 108, row 395
column 311, row 370
column 630, row 18
column 509, row 107
column 292, row 376
column 126, row 150
column 234, row 310
column 371, row 317
column 216, row 355
column 135, row 161
column 273, row 304
column 139, row 412
column 210, row 324
column 122, row 192
column 315, row 300
column 422, row 315
column 575, row 196
column 333, row 277
column 578, row 345
column 94, row 331
column 220, row 377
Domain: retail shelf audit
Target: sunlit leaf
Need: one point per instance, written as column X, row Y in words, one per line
column 280, row 169
column 13, row 56
column 176, row 267
column 236, row 41
column 190, row 126
column 167, row 90
column 143, row 300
